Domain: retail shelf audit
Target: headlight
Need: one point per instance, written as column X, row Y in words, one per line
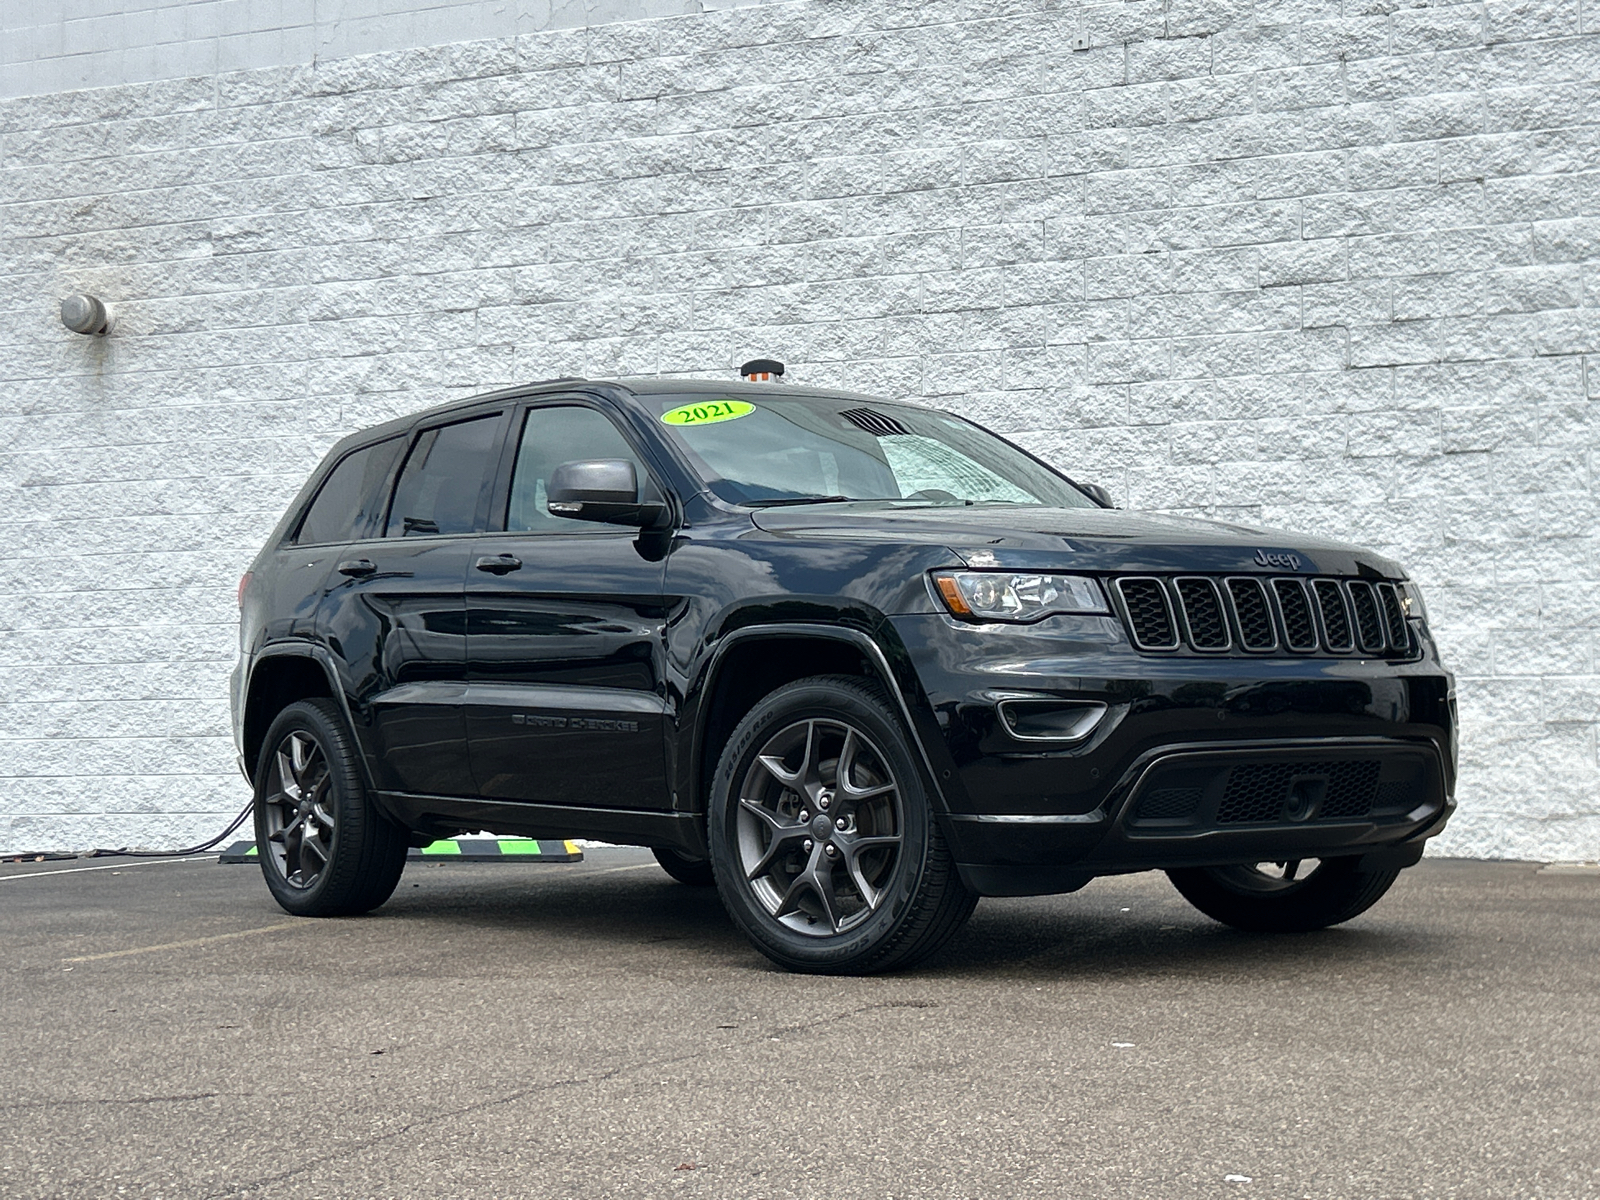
column 1015, row 596
column 1411, row 601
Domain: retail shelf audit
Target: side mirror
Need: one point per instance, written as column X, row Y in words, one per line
column 600, row 489
column 1097, row 492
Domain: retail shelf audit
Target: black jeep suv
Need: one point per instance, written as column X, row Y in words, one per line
column 856, row 663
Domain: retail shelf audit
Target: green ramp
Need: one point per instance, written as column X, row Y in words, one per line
column 507, row 850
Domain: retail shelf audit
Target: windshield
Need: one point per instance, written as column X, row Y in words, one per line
column 781, row 449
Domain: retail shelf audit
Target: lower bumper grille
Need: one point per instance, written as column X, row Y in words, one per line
column 1171, row 803
column 1229, row 789
column 1298, row 791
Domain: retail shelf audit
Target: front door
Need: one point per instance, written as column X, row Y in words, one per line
column 395, row 615
column 564, row 618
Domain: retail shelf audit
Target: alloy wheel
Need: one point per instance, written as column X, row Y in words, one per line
column 299, row 810
column 820, row 826
column 1271, row 876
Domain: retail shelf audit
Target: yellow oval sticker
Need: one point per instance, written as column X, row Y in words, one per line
column 708, row 412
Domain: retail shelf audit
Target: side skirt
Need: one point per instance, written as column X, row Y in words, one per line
column 443, row 816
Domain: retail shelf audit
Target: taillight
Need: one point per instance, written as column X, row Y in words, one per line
column 244, row 582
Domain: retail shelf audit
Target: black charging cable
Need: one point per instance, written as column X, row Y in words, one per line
column 187, row 850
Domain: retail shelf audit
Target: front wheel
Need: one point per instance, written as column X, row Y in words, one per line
column 1293, row 896
column 325, row 850
column 825, row 848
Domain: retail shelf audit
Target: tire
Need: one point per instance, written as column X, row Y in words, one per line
column 696, row 872
column 308, row 778
column 886, row 894
column 1279, row 898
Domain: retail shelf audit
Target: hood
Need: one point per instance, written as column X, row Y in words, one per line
column 1027, row 537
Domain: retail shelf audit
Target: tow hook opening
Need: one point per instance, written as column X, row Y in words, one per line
column 1306, row 793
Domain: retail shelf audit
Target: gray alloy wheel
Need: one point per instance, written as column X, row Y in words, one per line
column 824, row 843
column 820, row 826
column 325, row 850
column 298, row 810
column 1293, row 896
column 1270, row 878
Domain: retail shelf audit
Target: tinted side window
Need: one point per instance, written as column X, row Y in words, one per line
column 351, row 497
column 439, row 486
column 550, row 437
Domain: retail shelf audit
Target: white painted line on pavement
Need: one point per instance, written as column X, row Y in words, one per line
column 151, row 862
column 190, row 943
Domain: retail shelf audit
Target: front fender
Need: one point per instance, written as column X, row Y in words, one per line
column 880, row 646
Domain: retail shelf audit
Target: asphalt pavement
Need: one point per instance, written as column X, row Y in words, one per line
column 596, row 1029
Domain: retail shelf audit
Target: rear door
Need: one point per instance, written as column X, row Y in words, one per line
column 396, row 614
column 347, row 506
column 564, row 622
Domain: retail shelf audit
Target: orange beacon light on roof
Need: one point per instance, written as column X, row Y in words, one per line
column 762, row 370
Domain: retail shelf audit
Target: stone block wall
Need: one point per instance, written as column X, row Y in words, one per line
column 71, row 44
column 1328, row 267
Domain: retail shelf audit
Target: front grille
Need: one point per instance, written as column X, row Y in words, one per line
column 1298, row 627
column 1250, row 606
column 1247, row 614
column 1149, row 614
column 1263, row 792
column 1394, row 617
column 1335, row 620
column 1202, row 613
column 1369, row 621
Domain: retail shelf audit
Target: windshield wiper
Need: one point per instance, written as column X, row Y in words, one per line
column 797, row 500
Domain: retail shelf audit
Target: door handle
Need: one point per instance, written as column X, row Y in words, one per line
column 499, row 564
column 357, row 567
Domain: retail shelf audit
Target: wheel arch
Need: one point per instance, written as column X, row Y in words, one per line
column 754, row 661
column 278, row 678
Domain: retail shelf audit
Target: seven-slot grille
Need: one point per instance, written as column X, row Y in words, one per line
column 1245, row 613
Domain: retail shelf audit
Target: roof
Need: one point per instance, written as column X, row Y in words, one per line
column 650, row 385
column 637, row 385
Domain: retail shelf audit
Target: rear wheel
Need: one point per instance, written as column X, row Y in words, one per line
column 825, row 847
column 325, row 850
column 696, row 872
column 1285, row 897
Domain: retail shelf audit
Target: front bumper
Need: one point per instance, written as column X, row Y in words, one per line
column 1216, row 804
column 1196, row 762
